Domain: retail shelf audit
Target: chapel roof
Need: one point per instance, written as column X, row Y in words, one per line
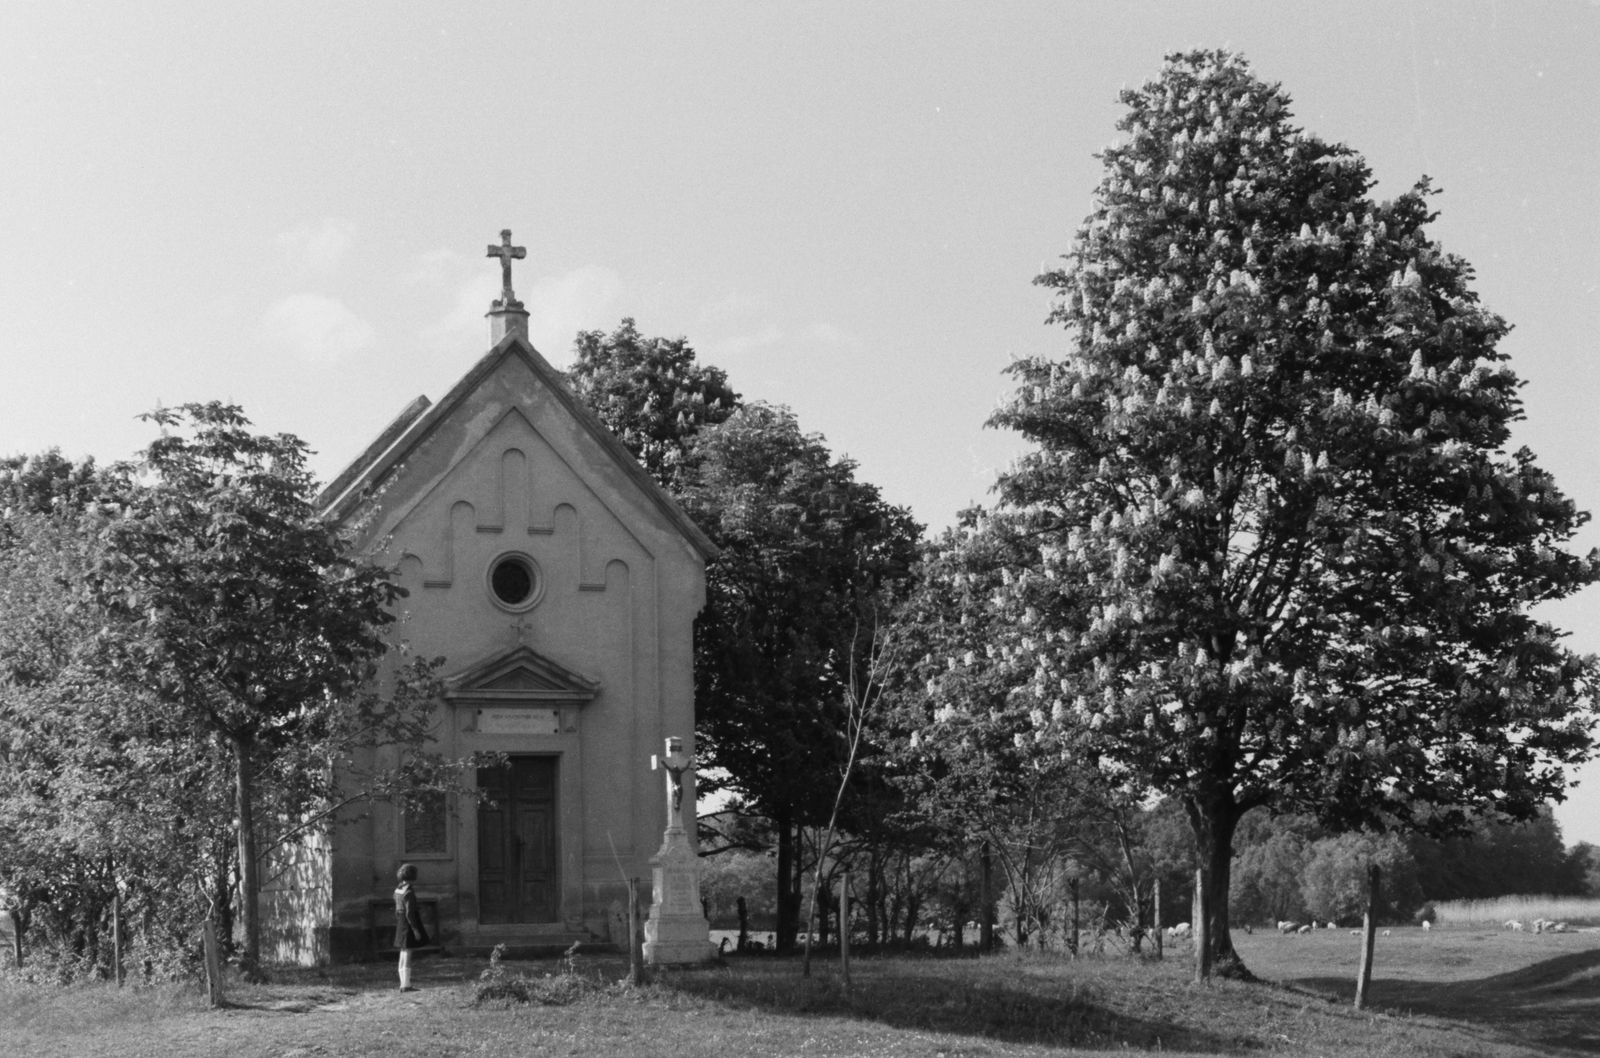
column 417, row 421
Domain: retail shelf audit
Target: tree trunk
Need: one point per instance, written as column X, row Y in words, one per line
column 636, row 934
column 249, row 907
column 1137, row 930
column 18, row 927
column 871, row 900
column 911, row 918
column 844, row 926
column 824, row 915
column 896, row 905
column 1214, row 822
column 797, row 885
column 223, row 893
column 788, row 923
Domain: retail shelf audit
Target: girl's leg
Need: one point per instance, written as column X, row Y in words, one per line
column 405, row 968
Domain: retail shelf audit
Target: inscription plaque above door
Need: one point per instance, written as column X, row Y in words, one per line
column 519, row 721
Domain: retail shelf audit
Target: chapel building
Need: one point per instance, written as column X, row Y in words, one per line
column 560, row 582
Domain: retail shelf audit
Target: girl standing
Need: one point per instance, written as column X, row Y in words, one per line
column 408, row 932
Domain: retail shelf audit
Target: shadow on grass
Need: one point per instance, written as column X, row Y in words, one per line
column 960, row 997
column 1553, row 1003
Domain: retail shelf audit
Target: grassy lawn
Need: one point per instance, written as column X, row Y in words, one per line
column 1451, row 992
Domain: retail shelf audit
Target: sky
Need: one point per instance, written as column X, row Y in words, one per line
column 843, row 205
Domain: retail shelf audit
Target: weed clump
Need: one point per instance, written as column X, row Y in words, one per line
column 501, row 984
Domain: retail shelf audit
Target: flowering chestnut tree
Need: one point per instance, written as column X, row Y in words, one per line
column 1285, row 558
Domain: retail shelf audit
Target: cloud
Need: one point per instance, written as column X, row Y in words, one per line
column 435, row 268
column 820, row 338
column 317, row 247
column 315, row 328
column 558, row 307
column 584, row 299
column 831, row 335
column 743, row 344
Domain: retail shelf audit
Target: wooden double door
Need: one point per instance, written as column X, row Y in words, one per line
column 518, row 874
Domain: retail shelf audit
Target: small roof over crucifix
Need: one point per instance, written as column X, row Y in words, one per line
column 507, row 253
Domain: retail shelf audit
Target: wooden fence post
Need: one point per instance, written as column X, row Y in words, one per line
column 1076, row 936
column 1155, row 917
column 1201, row 928
column 213, row 965
column 635, row 941
column 1369, row 934
column 986, row 897
column 116, row 934
column 844, row 926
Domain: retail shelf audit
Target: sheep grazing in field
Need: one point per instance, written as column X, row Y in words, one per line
column 1285, row 926
column 1559, row 927
column 1303, row 929
column 1355, row 933
column 1333, row 925
column 1541, row 924
column 1180, row 930
column 1513, row 924
column 1385, row 933
column 1426, row 926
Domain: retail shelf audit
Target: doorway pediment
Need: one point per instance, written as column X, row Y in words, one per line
column 521, row 674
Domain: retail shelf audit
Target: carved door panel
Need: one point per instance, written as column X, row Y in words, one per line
column 496, row 897
column 518, row 880
column 537, row 896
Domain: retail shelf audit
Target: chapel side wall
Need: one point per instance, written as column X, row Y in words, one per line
column 296, row 901
column 352, row 874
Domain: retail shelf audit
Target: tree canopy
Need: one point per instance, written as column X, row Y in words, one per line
column 248, row 617
column 1284, row 557
column 796, row 598
column 651, row 392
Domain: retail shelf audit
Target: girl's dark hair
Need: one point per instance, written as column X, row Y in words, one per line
column 407, row 872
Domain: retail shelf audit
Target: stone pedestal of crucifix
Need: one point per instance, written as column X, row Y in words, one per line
column 677, row 933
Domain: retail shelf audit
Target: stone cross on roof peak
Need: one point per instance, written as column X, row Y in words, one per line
column 507, row 253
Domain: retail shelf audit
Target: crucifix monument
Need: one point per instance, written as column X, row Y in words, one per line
column 677, row 932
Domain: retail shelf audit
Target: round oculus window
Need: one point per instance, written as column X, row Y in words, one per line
column 514, row 582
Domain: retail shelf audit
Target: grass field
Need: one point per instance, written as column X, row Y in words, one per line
column 1448, row 992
